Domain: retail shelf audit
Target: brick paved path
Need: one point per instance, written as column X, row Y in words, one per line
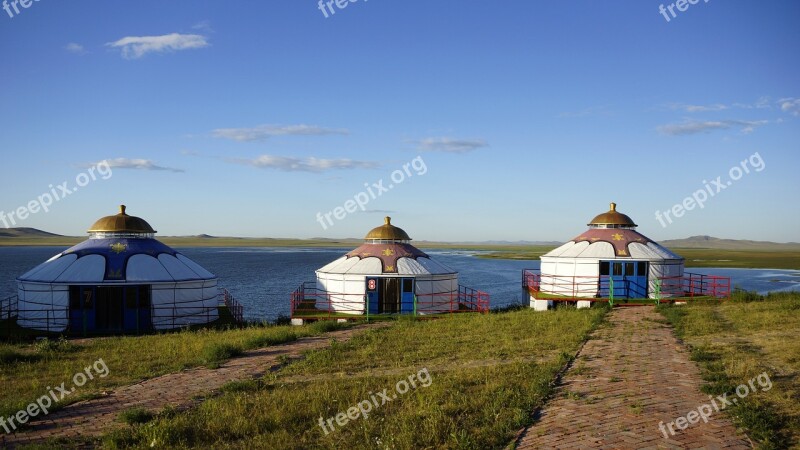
column 98, row 416
column 630, row 376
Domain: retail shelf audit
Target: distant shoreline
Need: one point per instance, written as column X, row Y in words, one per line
column 746, row 258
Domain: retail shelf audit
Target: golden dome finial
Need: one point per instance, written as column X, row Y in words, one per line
column 613, row 218
column 388, row 232
column 121, row 223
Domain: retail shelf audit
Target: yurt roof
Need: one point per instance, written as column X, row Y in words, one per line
column 387, row 232
column 612, row 218
column 386, row 251
column 611, row 236
column 117, row 261
column 121, row 223
column 610, row 244
column 109, row 259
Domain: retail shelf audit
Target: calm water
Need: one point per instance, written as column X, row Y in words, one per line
column 262, row 278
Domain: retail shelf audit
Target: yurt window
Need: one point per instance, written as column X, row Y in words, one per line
column 642, row 268
column 604, row 268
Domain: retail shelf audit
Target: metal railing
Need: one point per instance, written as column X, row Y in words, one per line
column 307, row 301
column 173, row 315
column 697, row 285
column 236, row 308
column 8, row 307
column 604, row 288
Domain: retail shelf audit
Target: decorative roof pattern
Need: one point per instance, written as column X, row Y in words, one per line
column 118, row 260
column 619, row 238
column 387, row 253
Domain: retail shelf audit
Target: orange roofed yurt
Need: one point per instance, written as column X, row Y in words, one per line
column 386, row 275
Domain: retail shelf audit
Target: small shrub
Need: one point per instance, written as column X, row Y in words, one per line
column 325, row 326
column 136, row 416
column 272, row 336
column 216, row 353
column 59, row 345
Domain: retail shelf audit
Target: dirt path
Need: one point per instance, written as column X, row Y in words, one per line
column 98, row 416
column 630, row 377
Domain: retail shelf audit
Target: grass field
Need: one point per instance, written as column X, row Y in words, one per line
column 486, row 375
column 26, row 370
column 736, row 341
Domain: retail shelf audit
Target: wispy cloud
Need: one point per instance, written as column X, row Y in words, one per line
column 790, row 105
column 204, row 26
column 74, row 47
column 134, row 47
column 136, row 164
column 699, row 108
column 263, row 132
column 761, row 103
column 310, row 164
column 450, row 145
column 696, row 127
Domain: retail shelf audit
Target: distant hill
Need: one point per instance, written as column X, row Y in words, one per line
column 25, row 233
column 728, row 244
column 32, row 236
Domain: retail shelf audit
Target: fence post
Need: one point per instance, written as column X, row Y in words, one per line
column 658, row 291
column 611, row 291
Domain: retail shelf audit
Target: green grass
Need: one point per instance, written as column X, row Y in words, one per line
column 488, row 373
column 27, row 369
column 136, row 416
column 734, row 342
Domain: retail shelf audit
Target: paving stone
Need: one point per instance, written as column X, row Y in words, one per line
column 658, row 383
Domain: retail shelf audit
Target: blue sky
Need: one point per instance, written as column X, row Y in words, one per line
column 247, row 118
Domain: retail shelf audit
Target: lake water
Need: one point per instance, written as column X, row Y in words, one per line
column 263, row 278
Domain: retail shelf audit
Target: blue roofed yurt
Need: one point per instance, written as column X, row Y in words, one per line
column 120, row 280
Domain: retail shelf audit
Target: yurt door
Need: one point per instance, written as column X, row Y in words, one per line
column 81, row 309
column 372, row 295
column 407, row 296
column 637, row 281
column 109, row 309
column 137, row 309
column 628, row 278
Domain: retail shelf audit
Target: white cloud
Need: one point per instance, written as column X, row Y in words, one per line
column 790, row 105
column 137, row 46
column 761, row 103
column 74, row 47
column 311, row 164
column 204, row 26
column 696, row 127
column 137, row 164
column 263, row 132
column 450, row 145
column 700, row 108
